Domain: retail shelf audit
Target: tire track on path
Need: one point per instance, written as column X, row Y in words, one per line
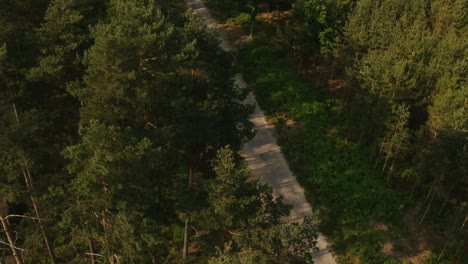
column 263, row 155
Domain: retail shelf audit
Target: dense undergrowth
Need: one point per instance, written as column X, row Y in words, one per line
column 335, row 171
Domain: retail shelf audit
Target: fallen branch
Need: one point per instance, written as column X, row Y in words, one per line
column 2, row 242
column 24, row 216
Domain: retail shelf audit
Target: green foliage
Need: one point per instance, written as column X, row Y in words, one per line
column 404, row 107
column 62, row 40
column 114, row 110
column 419, row 61
column 112, row 168
column 241, row 19
column 273, row 78
column 115, row 107
column 334, row 164
column 313, row 30
column 247, row 220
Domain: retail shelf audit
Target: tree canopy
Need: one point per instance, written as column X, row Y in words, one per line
column 111, row 117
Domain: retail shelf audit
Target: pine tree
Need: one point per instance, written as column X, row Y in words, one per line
column 243, row 220
column 148, row 82
column 114, row 192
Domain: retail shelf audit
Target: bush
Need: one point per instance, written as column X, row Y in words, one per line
column 241, row 19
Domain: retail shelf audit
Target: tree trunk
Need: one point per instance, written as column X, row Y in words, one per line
column 253, row 15
column 29, row 187
column 299, row 67
column 443, row 251
column 391, row 167
column 444, row 204
column 91, row 251
column 379, row 158
column 186, row 242
column 190, row 178
column 429, row 193
column 427, row 208
column 11, row 241
column 392, row 143
column 252, row 28
column 459, row 247
column 385, row 164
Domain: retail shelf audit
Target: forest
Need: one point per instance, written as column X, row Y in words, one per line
column 369, row 102
column 121, row 126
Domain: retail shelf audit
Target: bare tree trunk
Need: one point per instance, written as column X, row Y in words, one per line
column 91, row 251
column 253, row 15
column 11, row 241
column 392, row 143
column 443, row 251
column 443, row 204
column 299, row 67
column 379, row 158
column 427, row 208
column 385, row 163
column 459, row 247
column 29, row 187
column 190, row 177
column 429, row 193
column 186, row 242
column 391, row 167
column 252, row 28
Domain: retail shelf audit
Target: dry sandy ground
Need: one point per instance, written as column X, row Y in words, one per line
column 264, row 157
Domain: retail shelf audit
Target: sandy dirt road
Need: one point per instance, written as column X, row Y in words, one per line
column 263, row 155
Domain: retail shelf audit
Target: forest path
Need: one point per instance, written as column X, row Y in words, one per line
column 263, row 155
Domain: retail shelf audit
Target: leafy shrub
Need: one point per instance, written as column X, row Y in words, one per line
column 241, row 19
